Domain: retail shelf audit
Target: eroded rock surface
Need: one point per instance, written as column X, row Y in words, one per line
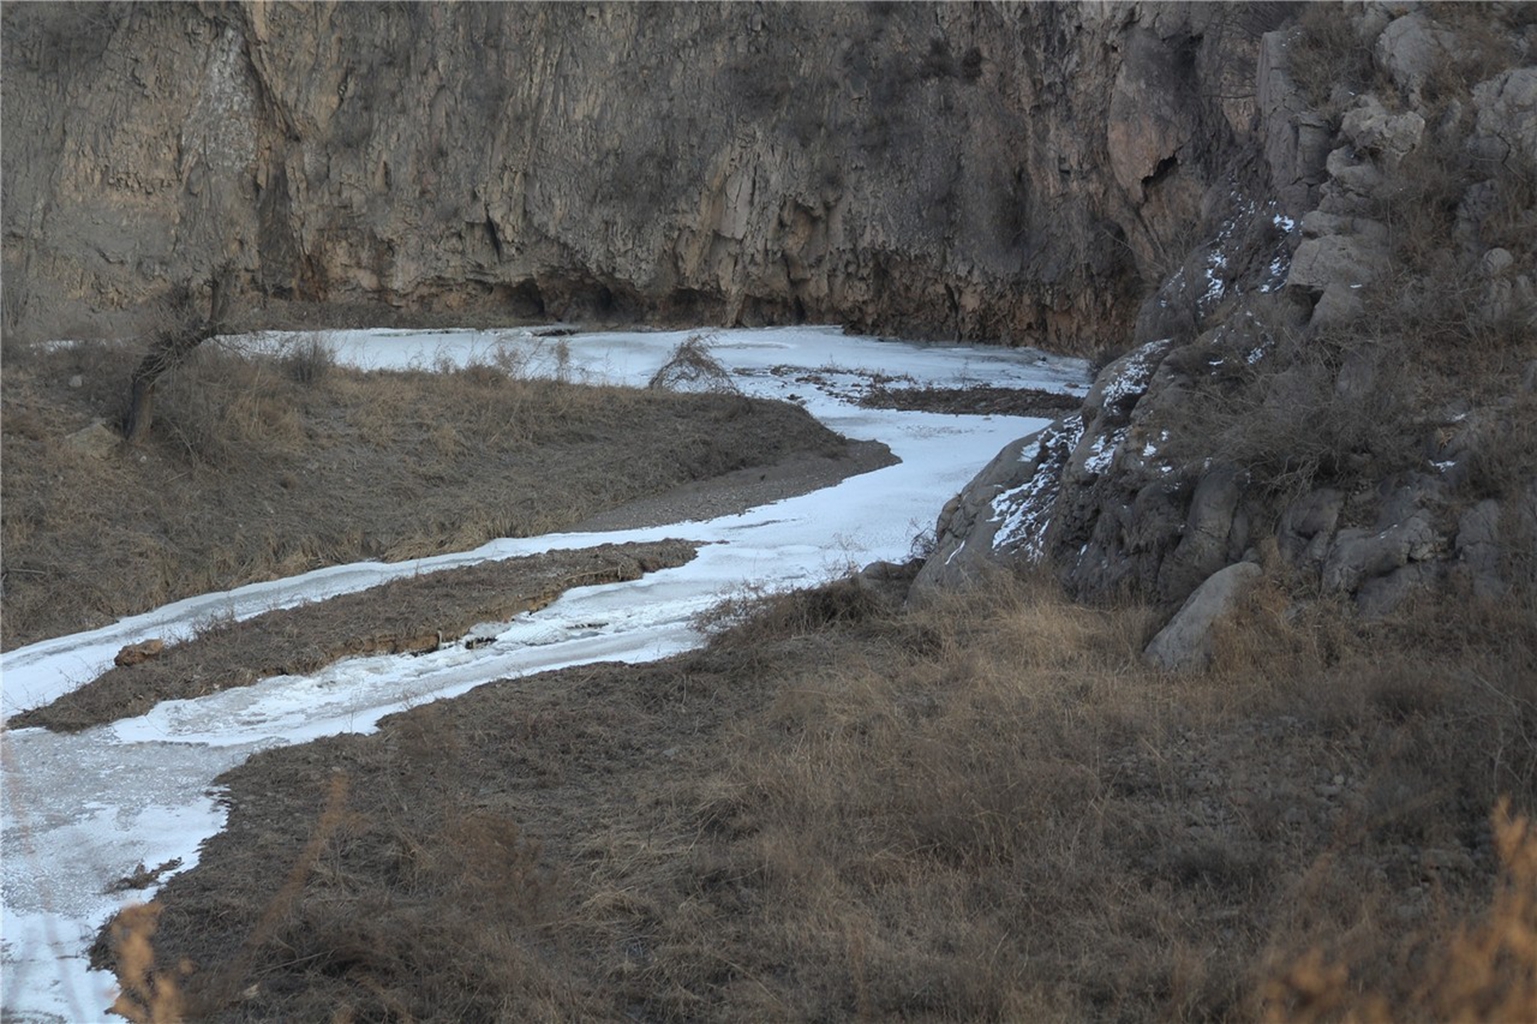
column 1009, row 173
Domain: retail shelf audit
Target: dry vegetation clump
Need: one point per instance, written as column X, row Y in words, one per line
column 309, row 357
column 692, row 368
column 978, row 400
column 1486, row 969
column 1326, row 59
column 258, row 468
column 985, row 809
column 148, row 994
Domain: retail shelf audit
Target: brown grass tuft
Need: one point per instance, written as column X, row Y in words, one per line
column 149, row 995
column 1484, row 970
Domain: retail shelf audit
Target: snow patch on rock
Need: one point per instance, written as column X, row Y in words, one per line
column 1023, row 512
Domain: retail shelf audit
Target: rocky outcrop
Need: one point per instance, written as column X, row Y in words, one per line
column 1010, row 173
column 1003, row 513
column 1330, row 363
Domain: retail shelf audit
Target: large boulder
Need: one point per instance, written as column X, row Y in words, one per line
column 1361, row 554
column 1307, row 527
column 1410, row 50
column 1185, row 644
column 1389, row 137
column 1216, row 532
column 97, row 440
column 1353, row 261
column 1506, row 125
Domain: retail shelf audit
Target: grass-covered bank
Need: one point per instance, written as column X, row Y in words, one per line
column 259, row 468
column 416, row 614
column 984, row 809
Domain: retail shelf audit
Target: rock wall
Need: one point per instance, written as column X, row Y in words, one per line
column 1019, row 173
column 1342, row 372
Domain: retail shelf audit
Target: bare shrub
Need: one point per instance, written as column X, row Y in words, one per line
column 691, row 368
column 309, row 357
column 1326, row 60
column 1488, row 42
column 1288, row 423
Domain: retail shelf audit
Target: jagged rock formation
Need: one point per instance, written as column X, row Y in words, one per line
column 1345, row 366
column 1010, row 173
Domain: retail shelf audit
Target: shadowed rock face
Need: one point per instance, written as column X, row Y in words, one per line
column 936, row 170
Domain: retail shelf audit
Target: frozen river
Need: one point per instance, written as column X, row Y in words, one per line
column 83, row 810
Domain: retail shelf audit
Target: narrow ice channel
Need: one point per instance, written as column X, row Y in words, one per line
column 83, row 810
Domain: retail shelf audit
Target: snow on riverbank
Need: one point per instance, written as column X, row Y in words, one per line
column 84, row 810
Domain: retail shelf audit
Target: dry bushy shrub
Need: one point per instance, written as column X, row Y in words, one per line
column 309, row 357
column 1488, row 42
column 227, row 409
column 692, row 368
column 753, row 617
column 1286, row 420
column 1326, row 60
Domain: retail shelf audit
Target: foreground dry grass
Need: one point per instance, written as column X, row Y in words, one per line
column 983, row 809
column 261, row 468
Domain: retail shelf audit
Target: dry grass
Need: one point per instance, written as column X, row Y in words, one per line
column 986, row 809
column 978, row 400
column 1326, row 60
column 262, row 468
column 149, row 995
column 1486, row 970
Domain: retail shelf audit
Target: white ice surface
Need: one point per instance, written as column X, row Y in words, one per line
column 84, row 810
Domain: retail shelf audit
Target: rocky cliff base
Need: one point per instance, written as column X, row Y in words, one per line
column 1341, row 377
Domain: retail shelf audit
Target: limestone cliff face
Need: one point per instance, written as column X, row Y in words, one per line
column 1021, row 173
